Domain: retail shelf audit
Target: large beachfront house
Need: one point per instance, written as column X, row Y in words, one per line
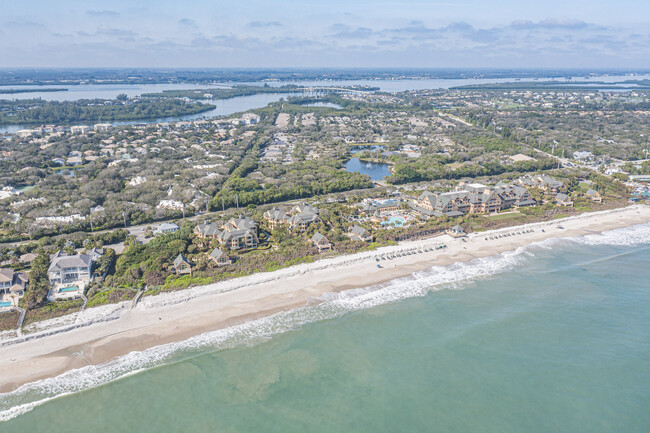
column 236, row 234
column 300, row 217
column 66, row 269
column 276, row 218
column 12, row 285
column 472, row 198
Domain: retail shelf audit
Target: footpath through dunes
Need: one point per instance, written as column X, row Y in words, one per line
column 102, row 335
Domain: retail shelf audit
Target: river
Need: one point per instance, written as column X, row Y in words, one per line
column 226, row 107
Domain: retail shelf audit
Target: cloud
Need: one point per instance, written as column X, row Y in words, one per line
column 258, row 24
column 549, row 23
column 358, row 33
column 187, row 22
column 23, row 25
column 114, row 32
column 103, row 13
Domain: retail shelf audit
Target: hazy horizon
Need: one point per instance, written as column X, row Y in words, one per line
column 354, row 34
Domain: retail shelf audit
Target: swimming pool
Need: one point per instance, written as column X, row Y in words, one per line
column 395, row 221
column 68, row 289
column 5, row 304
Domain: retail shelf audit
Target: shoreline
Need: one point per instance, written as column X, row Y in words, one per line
column 177, row 316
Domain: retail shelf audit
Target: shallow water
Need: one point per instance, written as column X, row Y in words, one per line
column 549, row 338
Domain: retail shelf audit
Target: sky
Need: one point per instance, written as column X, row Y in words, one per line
column 325, row 33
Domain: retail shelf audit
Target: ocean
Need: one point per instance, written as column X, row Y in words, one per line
column 552, row 337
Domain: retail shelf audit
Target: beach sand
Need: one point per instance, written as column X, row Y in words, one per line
column 180, row 315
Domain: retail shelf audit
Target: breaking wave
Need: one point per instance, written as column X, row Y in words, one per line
column 327, row 306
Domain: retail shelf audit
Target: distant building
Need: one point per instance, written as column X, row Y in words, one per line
column 102, row 126
column 81, row 129
column 582, row 155
column 25, row 133
column 166, row 228
column 170, row 204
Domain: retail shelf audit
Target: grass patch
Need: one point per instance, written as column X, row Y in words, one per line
column 506, row 217
column 52, row 310
column 9, row 320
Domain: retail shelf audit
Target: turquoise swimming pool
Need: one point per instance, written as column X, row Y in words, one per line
column 68, row 289
column 5, row 304
column 395, row 221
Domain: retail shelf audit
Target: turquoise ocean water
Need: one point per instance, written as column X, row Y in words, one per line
column 554, row 337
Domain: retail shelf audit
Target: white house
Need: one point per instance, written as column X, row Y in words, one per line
column 69, row 275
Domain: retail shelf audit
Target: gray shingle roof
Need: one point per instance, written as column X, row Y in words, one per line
column 60, row 262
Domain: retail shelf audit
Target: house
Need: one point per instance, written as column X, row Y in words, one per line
column 102, row 126
column 594, row 195
column 321, row 242
column 548, row 184
column 81, row 129
column 563, row 200
column 27, row 258
column 456, row 231
column 12, row 285
column 303, row 207
column 244, row 223
column 276, row 218
column 66, row 269
column 583, row 155
column 370, row 207
column 302, row 220
column 25, row 133
column 96, row 253
column 360, row 234
column 239, row 233
column 166, row 228
column 471, row 198
column 210, row 231
column 219, row 257
column 181, row 265
column 238, row 239
column 75, row 160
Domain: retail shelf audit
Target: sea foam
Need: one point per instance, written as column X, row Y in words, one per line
column 327, row 306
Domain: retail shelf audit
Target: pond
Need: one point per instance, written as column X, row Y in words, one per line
column 323, row 104
column 360, row 148
column 376, row 170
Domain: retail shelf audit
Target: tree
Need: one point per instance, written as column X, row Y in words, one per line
column 39, row 283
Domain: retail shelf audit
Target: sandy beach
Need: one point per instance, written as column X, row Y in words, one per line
column 82, row 340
